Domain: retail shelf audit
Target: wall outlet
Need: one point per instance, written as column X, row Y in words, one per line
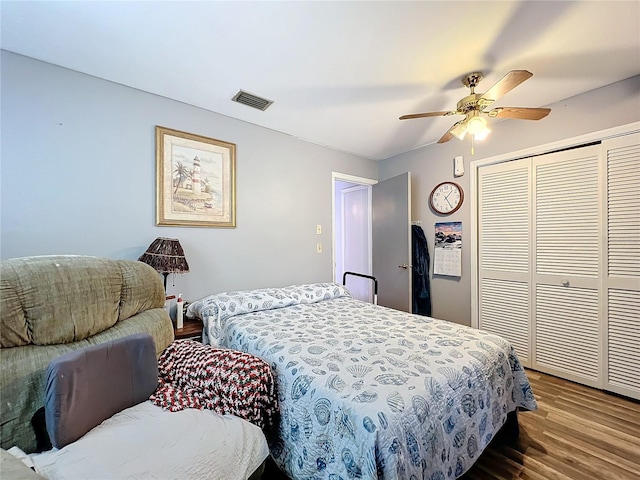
column 318, row 248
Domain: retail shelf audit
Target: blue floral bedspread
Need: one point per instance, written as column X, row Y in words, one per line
column 367, row 392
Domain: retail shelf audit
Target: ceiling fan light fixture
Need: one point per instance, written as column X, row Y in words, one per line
column 459, row 130
column 476, row 125
column 482, row 135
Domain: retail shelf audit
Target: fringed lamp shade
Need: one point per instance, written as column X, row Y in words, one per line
column 166, row 256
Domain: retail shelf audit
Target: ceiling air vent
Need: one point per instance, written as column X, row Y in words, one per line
column 251, row 100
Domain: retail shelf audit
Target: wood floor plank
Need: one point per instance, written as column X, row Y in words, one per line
column 600, row 434
column 600, row 412
column 577, row 433
column 595, row 460
column 593, row 445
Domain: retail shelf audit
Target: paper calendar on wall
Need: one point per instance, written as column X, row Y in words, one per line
column 448, row 249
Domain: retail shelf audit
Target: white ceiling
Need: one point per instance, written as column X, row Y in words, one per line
column 340, row 73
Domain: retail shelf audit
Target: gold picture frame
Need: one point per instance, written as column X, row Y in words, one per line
column 195, row 180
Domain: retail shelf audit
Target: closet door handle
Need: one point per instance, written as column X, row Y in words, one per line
column 565, row 282
column 404, row 265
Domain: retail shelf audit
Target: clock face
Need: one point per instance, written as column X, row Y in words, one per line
column 446, row 197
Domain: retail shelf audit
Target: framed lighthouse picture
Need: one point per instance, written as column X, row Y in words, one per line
column 195, row 180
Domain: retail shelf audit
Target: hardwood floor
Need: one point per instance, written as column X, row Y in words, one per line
column 577, row 433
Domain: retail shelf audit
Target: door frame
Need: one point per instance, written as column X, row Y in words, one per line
column 337, row 215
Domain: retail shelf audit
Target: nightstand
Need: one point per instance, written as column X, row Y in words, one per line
column 192, row 330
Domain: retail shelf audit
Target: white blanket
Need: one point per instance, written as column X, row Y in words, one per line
column 146, row 442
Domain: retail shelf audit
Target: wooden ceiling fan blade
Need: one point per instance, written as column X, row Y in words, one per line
column 521, row 113
column 428, row 114
column 507, row 83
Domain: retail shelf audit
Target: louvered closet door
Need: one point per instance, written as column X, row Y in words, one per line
column 504, row 232
column 623, row 265
column 566, row 282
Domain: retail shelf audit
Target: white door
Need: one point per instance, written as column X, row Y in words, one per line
column 356, row 240
column 392, row 241
column 622, row 267
column 538, row 256
column 558, row 248
column 566, row 256
column 504, row 258
column 352, row 232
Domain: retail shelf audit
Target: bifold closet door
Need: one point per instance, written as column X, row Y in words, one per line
column 566, row 282
column 504, row 232
column 622, row 279
column 559, row 261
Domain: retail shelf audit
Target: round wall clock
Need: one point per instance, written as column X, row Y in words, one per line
column 446, row 197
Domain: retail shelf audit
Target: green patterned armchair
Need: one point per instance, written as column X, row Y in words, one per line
column 50, row 305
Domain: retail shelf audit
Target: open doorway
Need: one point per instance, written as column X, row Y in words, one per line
column 373, row 244
column 352, row 232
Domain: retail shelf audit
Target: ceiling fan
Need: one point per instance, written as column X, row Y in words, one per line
column 473, row 107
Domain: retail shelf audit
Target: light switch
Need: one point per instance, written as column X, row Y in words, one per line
column 318, row 229
column 458, row 166
column 318, row 248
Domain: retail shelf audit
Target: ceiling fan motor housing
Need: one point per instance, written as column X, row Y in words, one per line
column 468, row 103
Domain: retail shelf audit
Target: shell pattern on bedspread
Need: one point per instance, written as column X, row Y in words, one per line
column 368, row 392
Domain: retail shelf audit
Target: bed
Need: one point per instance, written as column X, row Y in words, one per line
column 368, row 392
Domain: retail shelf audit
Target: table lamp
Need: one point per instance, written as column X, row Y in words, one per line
column 166, row 256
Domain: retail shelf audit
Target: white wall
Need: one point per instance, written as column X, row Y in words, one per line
column 607, row 107
column 78, row 177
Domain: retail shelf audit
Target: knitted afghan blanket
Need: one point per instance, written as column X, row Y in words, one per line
column 229, row 382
